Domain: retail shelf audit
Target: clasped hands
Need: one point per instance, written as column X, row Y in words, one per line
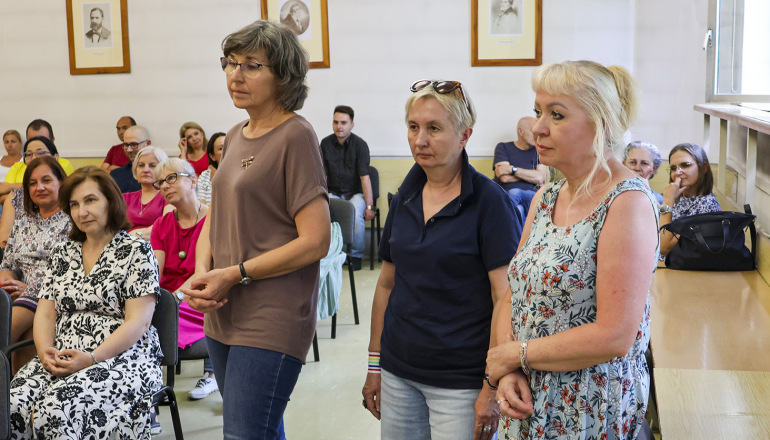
column 208, row 292
column 504, row 369
column 62, row 363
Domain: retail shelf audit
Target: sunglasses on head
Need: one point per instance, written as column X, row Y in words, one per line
column 442, row 87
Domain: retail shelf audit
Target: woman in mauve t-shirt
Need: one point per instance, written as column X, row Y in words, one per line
column 257, row 260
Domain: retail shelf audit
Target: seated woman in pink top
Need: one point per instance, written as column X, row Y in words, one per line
column 174, row 237
column 145, row 206
column 192, row 146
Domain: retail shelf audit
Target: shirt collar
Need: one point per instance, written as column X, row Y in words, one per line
column 416, row 179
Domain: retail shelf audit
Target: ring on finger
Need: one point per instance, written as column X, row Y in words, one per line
column 500, row 402
column 488, row 429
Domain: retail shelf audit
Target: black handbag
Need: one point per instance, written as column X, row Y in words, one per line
column 714, row 241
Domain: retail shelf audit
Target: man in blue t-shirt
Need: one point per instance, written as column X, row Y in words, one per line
column 518, row 169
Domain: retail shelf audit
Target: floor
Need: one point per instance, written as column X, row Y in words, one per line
column 326, row 403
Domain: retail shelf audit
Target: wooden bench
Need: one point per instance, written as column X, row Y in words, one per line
column 710, row 341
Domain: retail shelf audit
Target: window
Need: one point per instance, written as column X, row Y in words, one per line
column 738, row 51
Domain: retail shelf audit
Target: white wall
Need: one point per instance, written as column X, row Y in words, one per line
column 377, row 50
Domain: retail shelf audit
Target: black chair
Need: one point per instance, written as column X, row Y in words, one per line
column 5, row 401
column 166, row 322
column 344, row 213
column 5, row 318
column 374, row 176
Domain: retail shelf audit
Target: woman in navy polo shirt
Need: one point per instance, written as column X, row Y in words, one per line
column 447, row 241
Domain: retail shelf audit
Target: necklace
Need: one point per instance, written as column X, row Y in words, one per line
column 182, row 253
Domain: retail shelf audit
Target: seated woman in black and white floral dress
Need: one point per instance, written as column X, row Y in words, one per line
column 98, row 357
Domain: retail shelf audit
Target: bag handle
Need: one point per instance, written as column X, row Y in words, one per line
column 725, row 232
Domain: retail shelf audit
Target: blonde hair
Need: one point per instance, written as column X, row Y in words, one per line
column 608, row 95
column 188, row 125
column 462, row 117
column 176, row 165
column 159, row 154
column 12, row 133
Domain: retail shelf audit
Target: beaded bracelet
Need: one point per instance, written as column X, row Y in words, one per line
column 374, row 362
column 525, row 368
column 94, row 358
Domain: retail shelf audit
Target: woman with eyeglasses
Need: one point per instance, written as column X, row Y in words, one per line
column 214, row 151
column 145, row 206
column 257, row 259
column 39, row 225
column 571, row 362
column 689, row 191
column 174, row 237
column 192, row 146
column 643, row 158
column 449, row 235
column 98, row 356
column 36, row 147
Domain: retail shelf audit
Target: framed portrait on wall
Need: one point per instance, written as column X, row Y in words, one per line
column 307, row 19
column 506, row 32
column 97, row 32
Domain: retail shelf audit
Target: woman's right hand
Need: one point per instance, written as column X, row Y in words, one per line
column 182, row 148
column 48, row 360
column 208, row 292
column 372, row 393
column 14, row 287
column 514, row 396
column 673, row 191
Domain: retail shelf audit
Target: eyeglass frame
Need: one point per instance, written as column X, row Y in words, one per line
column 437, row 84
column 28, row 154
column 674, row 168
column 132, row 145
column 159, row 183
column 249, row 66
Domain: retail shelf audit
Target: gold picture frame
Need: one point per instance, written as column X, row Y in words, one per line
column 97, row 31
column 506, row 32
column 308, row 19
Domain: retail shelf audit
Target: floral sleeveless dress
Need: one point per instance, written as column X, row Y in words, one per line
column 553, row 281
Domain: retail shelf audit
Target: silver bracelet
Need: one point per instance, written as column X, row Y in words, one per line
column 94, row 358
column 525, row 368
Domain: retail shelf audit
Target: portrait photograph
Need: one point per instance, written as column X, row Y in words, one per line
column 506, row 17
column 97, row 35
column 295, row 14
column 308, row 20
column 96, row 23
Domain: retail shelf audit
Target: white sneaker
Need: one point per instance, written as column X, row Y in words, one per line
column 204, row 387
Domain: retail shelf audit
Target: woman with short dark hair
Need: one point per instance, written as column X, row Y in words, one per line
column 257, row 260
column 98, row 357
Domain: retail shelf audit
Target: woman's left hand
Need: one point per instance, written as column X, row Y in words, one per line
column 487, row 414
column 70, row 361
column 503, row 359
column 14, row 288
column 208, row 292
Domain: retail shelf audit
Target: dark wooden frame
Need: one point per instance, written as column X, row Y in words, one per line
column 536, row 61
column 73, row 51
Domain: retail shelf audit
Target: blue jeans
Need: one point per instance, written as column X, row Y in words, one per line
column 415, row 411
column 256, row 385
column 359, row 229
column 521, row 198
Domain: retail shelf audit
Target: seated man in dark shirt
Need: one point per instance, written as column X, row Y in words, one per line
column 134, row 139
column 518, row 169
column 346, row 161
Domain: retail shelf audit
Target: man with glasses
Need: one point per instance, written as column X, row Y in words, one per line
column 346, row 161
column 134, row 139
column 116, row 157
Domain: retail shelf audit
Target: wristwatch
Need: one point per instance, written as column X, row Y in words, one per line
column 665, row 209
column 514, row 168
column 245, row 279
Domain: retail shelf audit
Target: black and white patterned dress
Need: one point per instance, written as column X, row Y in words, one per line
column 110, row 399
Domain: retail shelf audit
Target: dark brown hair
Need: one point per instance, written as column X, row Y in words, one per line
column 116, row 212
column 49, row 161
column 705, row 184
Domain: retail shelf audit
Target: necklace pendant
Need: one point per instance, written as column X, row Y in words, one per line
column 182, row 255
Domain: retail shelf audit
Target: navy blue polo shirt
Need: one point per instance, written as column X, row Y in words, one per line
column 437, row 321
column 124, row 177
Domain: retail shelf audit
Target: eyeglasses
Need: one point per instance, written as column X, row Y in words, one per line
column 29, row 154
column 442, row 87
column 249, row 70
column 133, row 145
column 170, row 179
column 682, row 166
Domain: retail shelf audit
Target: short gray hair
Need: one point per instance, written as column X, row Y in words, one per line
column 159, row 154
column 461, row 116
column 649, row 146
column 285, row 56
column 175, row 165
